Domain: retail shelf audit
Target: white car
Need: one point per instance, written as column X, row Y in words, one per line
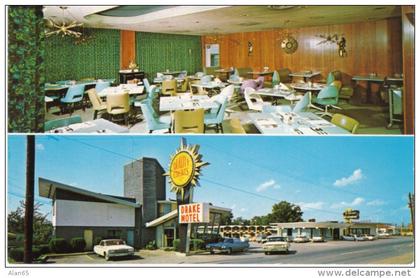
column 318, row 239
column 360, row 238
column 384, row 235
column 349, row 237
column 276, row 244
column 301, row 239
column 370, row 237
column 111, row 248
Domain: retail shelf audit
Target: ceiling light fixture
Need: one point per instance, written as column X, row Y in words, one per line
column 64, row 27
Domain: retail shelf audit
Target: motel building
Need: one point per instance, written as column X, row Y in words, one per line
column 141, row 215
column 330, row 230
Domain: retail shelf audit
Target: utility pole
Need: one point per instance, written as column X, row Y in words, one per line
column 29, row 198
column 411, row 206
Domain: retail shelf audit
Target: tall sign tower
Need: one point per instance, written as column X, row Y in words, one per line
column 184, row 173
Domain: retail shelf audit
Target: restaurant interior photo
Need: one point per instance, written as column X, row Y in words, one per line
column 267, row 69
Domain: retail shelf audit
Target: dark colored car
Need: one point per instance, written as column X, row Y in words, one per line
column 228, row 245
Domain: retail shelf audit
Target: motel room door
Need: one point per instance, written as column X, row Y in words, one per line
column 88, row 236
column 169, row 237
column 130, row 237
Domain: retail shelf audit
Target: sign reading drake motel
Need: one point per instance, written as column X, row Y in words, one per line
column 194, row 213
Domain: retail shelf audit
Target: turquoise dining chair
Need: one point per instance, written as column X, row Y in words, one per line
column 300, row 106
column 205, row 79
column 101, row 85
column 327, row 97
column 330, row 78
column 216, row 118
column 154, row 121
column 53, row 124
column 146, row 85
column 275, row 80
column 73, row 95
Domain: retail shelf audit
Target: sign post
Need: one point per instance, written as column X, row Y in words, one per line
column 184, row 172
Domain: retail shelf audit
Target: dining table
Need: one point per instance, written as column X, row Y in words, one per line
column 65, row 85
column 260, row 73
column 170, row 72
column 95, row 126
column 186, row 102
column 160, row 80
column 279, row 93
column 131, row 89
column 306, row 75
column 290, row 123
column 369, row 79
column 211, row 87
column 310, row 88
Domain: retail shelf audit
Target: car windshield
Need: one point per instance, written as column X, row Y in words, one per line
column 228, row 240
column 114, row 242
column 276, row 239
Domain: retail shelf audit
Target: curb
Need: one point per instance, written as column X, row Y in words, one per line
column 47, row 256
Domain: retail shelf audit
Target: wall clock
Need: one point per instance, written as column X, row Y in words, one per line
column 289, row 44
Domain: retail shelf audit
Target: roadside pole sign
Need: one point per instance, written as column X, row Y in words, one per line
column 184, row 173
column 194, row 213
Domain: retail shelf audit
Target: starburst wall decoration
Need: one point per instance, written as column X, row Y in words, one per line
column 184, row 168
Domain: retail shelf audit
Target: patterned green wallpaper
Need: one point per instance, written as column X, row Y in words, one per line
column 97, row 58
column 25, row 69
column 158, row 52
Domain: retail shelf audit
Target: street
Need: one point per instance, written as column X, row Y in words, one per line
column 397, row 250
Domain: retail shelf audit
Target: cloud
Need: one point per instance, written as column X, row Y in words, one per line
column 375, row 203
column 313, row 205
column 357, row 201
column 356, row 176
column 39, row 147
column 243, row 209
column 266, row 185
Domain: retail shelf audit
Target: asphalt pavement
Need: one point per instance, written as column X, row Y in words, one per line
column 397, row 250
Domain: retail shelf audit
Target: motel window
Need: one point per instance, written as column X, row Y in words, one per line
column 289, row 232
column 114, row 234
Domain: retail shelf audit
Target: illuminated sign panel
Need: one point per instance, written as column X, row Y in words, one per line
column 194, row 213
column 351, row 214
column 181, row 169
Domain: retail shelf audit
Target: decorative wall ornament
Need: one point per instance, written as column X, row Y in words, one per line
column 289, row 44
column 334, row 39
column 64, row 27
column 250, row 48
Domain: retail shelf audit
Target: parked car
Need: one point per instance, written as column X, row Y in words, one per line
column 384, row 235
column 276, row 244
column 260, row 238
column 349, row 237
column 318, row 239
column 301, row 239
column 370, row 237
column 111, row 248
column 359, row 238
column 228, row 245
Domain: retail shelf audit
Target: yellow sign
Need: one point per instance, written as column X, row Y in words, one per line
column 184, row 169
column 181, row 170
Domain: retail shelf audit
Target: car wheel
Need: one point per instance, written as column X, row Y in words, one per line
column 107, row 257
column 229, row 251
column 267, row 253
column 211, row 251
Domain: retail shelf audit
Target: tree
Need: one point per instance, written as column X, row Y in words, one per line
column 260, row 220
column 240, row 221
column 42, row 226
column 226, row 218
column 285, row 212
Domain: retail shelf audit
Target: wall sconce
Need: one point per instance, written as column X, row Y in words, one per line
column 250, row 48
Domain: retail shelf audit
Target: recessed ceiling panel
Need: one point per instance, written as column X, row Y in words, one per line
column 127, row 11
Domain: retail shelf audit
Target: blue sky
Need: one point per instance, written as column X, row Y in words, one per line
column 247, row 174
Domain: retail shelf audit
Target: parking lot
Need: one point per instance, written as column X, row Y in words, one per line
column 397, row 250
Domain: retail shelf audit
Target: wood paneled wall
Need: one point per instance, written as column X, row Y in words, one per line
column 371, row 47
column 127, row 48
column 408, row 67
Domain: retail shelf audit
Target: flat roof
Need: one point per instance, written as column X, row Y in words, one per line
column 325, row 224
column 174, row 214
column 48, row 187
